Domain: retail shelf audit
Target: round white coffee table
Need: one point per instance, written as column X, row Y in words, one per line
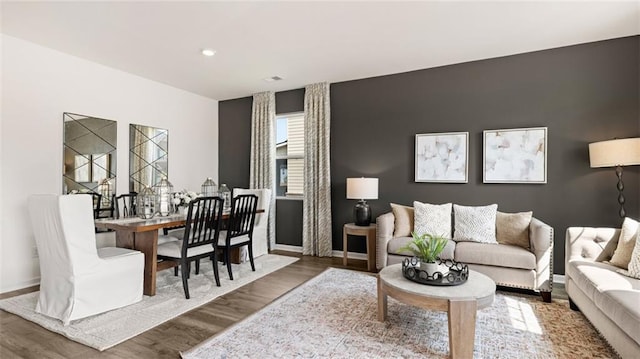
column 460, row 302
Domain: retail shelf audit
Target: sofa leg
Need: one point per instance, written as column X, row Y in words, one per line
column 573, row 305
column 546, row 297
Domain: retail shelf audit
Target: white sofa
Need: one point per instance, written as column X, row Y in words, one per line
column 507, row 265
column 609, row 300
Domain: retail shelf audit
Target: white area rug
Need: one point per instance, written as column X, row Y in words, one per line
column 108, row 329
column 334, row 316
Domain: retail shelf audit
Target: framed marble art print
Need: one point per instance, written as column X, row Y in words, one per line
column 515, row 156
column 442, row 157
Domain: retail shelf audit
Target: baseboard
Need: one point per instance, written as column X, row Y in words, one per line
column 298, row 249
column 288, row 248
column 558, row 278
column 21, row 285
column 350, row 255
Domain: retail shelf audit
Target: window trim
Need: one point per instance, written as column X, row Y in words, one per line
column 292, row 157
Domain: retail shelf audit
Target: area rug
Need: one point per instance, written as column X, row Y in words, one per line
column 334, row 316
column 108, row 329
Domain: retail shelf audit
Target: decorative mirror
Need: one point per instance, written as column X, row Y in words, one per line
column 89, row 156
column 148, row 156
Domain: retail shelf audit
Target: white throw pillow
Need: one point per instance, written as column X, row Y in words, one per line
column 434, row 219
column 626, row 243
column 475, row 224
column 634, row 264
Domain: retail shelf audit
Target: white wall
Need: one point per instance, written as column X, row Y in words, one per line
column 38, row 85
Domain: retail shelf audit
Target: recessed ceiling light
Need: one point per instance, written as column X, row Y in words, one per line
column 273, row 78
column 208, row 52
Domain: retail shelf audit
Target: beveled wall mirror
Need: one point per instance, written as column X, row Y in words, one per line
column 148, row 156
column 89, row 156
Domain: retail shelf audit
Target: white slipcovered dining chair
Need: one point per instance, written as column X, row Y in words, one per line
column 78, row 280
column 260, row 228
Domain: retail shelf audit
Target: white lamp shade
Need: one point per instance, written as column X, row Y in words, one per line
column 362, row 188
column 620, row 152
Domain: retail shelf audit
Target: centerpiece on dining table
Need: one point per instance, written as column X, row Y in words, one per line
column 182, row 199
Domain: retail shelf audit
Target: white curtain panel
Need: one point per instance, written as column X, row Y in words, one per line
column 316, row 231
column 263, row 153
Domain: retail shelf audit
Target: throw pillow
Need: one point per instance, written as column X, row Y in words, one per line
column 475, row 224
column 626, row 242
column 434, row 219
column 513, row 228
column 404, row 220
column 634, row 264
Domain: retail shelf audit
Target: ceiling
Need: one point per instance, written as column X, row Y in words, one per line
column 305, row 42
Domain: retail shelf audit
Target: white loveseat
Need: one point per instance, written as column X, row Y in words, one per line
column 507, row 265
column 609, row 300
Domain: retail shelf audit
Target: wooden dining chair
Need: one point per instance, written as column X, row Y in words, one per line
column 200, row 239
column 261, row 226
column 99, row 211
column 125, row 205
column 239, row 230
column 97, row 199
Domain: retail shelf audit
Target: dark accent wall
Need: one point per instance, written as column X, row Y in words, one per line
column 289, row 222
column 290, row 101
column 234, row 127
column 583, row 93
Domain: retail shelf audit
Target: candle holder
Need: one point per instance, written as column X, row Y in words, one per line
column 164, row 191
column 146, row 208
column 209, row 188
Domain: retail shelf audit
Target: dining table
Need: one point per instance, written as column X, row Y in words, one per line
column 142, row 235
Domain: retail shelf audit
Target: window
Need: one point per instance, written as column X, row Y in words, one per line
column 290, row 155
column 91, row 168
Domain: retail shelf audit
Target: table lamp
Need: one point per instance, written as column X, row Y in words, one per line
column 616, row 153
column 361, row 189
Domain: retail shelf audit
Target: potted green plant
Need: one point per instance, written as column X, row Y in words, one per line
column 427, row 248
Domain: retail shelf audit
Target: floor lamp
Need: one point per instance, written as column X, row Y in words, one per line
column 616, row 153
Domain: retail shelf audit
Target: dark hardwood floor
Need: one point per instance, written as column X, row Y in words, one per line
column 20, row 338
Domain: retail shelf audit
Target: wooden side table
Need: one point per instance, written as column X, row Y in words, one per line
column 366, row 231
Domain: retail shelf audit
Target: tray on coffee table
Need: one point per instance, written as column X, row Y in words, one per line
column 449, row 272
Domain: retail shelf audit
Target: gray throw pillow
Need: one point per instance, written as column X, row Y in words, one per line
column 475, row 224
column 513, row 228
